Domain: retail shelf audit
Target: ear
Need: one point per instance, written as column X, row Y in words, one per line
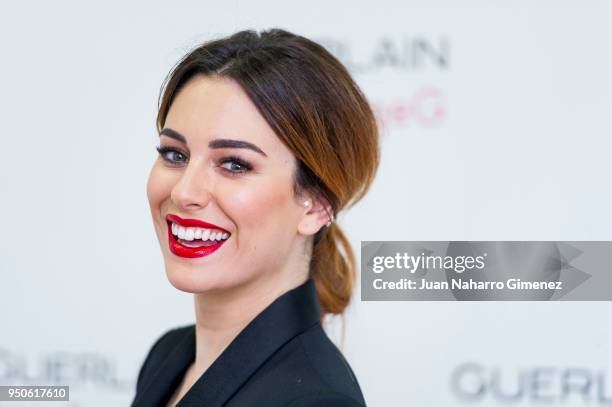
column 317, row 213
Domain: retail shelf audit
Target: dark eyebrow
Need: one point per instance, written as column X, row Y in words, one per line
column 166, row 131
column 228, row 143
column 217, row 143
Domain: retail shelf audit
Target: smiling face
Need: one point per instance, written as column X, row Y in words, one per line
column 221, row 163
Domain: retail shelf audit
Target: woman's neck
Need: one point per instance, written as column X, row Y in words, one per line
column 220, row 317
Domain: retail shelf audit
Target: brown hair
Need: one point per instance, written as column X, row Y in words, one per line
column 311, row 102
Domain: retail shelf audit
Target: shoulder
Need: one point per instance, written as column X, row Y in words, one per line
column 309, row 370
column 162, row 345
column 329, row 363
column 329, row 399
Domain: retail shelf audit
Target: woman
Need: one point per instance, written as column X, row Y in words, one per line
column 264, row 138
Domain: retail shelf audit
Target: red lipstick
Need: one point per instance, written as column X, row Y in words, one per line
column 191, row 252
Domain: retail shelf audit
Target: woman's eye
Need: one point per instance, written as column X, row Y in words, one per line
column 235, row 165
column 171, row 155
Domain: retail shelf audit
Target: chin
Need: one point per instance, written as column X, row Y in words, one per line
column 190, row 281
column 198, row 279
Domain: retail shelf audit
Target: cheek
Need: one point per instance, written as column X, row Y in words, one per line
column 159, row 186
column 260, row 206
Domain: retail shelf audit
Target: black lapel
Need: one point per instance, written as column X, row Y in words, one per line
column 159, row 388
column 289, row 315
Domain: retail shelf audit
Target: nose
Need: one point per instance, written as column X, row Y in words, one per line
column 192, row 191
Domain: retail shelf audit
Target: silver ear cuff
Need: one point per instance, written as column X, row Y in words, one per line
column 328, row 224
column 330, row 221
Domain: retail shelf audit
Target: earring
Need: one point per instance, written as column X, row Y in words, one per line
column 330, row 220
column 306, row 204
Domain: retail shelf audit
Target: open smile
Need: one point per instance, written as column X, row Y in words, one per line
column 191, row 238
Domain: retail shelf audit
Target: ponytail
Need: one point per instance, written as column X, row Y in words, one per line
column 333, row 269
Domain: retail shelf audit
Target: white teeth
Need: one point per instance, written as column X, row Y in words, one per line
column 190, row 234
column 197, row 233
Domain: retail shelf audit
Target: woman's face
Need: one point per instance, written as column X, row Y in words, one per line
column 221, row 164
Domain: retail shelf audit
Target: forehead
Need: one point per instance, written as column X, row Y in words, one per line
column 207, row 108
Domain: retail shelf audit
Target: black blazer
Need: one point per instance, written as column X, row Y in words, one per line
column 281, row 358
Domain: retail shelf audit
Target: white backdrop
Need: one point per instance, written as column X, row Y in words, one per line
column 496, row 127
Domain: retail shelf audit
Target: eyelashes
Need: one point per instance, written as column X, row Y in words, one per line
column 164, row 154
column 176, row 158
column 243, row 166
